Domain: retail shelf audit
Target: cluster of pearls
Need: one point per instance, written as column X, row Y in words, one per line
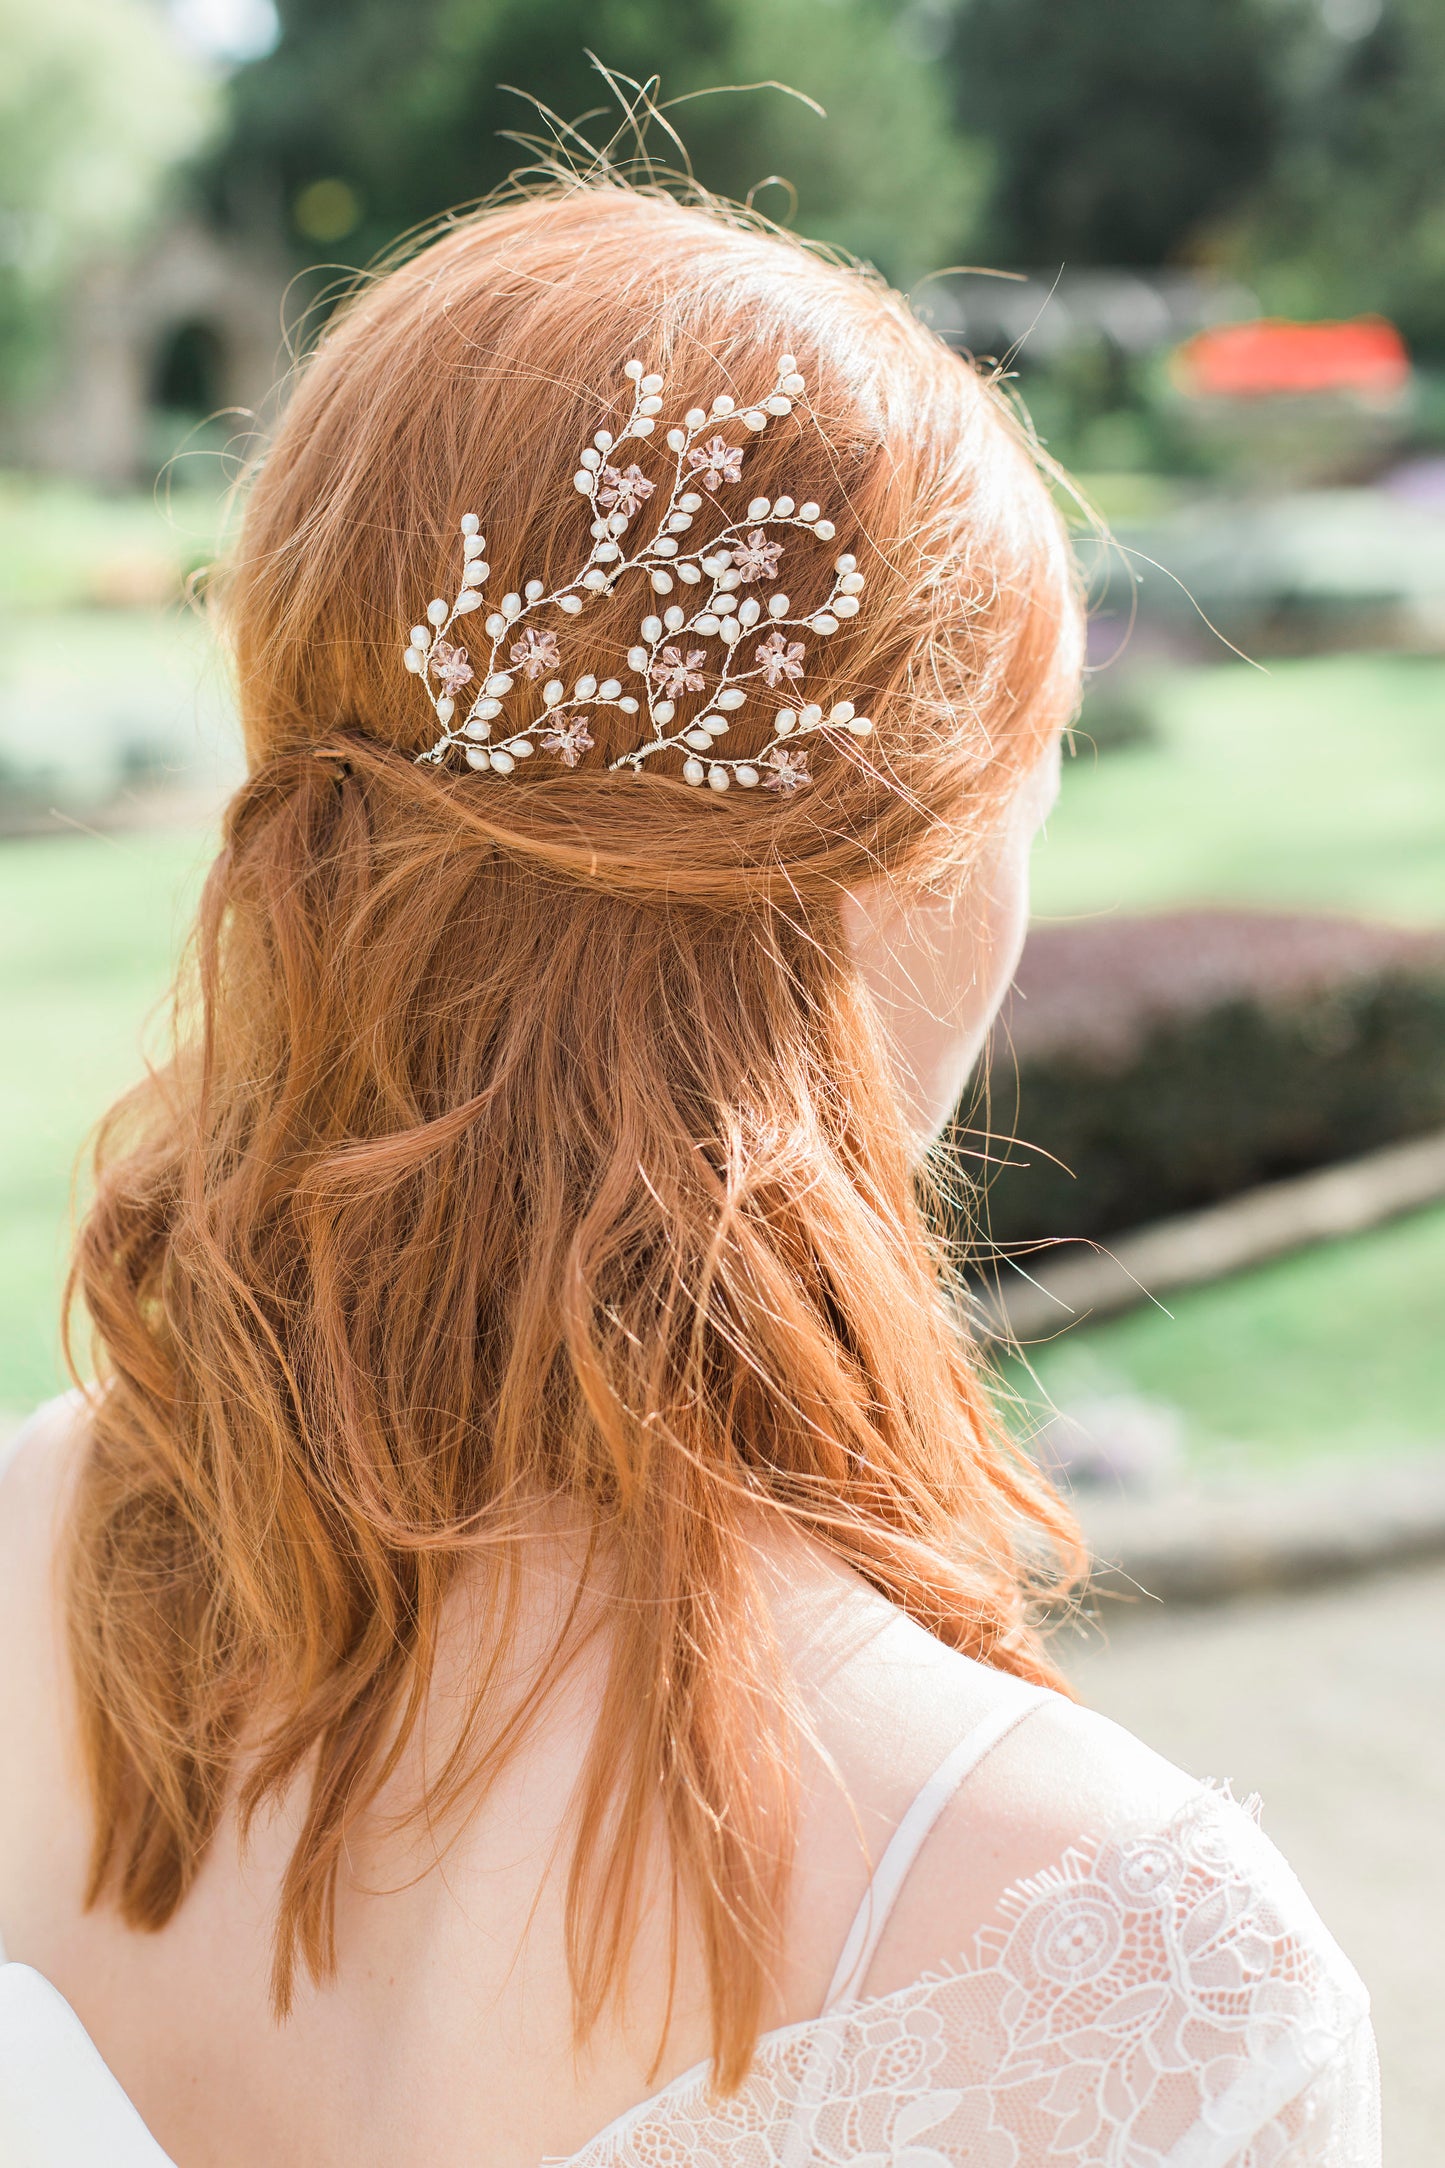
column 755, row 653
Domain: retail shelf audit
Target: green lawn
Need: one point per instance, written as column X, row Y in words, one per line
column 1335, row 1350
column 1322, row 786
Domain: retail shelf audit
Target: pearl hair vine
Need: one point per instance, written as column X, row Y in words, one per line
column 674, row 655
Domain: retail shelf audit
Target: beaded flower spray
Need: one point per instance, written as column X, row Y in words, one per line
column 723, row 642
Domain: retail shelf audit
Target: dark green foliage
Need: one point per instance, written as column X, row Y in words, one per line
column 407, row 104
column 1170, row 1062
column 1122, row 129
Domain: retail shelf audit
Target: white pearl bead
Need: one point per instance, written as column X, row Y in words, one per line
column 437, row 611
column 472, row 545
column 691, row 502
column 674, row 618
column 652, row 628
column 860, row 726
column 841, row 711
column 760, row 507
column 846, row 606
column 695, row 417
column 676, row 439
column 847, row 562
column 591, row 459
column 706, row 625
column 665, row 710
column 679, row 522
column 478, row 757
column 627, row 704
column 810, row 716
column 724, row 403
column 716, row 726
column 467, row 601
column 778, row 405
column 585, row 687
column 643, row 426
column 825, row 530
column 421, row 637
column 785, row 722
column 609, row 688
column 582, row 482
column 730, row 630
column 783, row 508
column 689, row 575
column 793, row 384
column 412, row 657
column 719, row 778
column 470, row 523
column 499, row 683
column 502, row 762
column 693, row 771
column 650, row 406
column 756, row 418
column 637, row 658
column 595, row 582
column 534, row 591
column 552, row 691
column 476, row 729
column 662, row 582
column 522, row 747
column 665, row 546
column 511, row 605
column 824, row 623
column 698, row 738
column 496, row 624
column 487, row 708
column 851, row 583
column 603, row 440
column 748, row 777
column 787, row 363
column 651, row 383
column 605, row 552
column 572, row 604
column 809, row 511
column 734, row 697
column 446, row 709
column 779, row 606
column 749, row 612
column 633, row 369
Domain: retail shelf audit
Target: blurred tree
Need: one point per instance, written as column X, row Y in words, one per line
column 374, row 116
column 1122, row 131
column 1352, row 216
column 97, row 105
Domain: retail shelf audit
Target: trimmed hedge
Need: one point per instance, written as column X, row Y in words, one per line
column 1171, row 1061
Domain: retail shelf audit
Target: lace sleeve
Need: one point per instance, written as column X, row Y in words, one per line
column 1167, row 1999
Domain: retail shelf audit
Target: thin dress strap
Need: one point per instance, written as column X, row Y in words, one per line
column 908, row 1840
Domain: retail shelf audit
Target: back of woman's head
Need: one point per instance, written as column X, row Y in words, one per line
column 536, row 1145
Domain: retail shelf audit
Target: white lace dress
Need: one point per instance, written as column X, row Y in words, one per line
column 1162, row 1997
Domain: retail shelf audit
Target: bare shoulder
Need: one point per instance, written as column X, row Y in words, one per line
column 36, row 1464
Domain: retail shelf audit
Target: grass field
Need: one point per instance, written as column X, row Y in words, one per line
column 1321, row 786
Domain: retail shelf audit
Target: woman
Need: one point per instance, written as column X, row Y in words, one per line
column 543, row 1661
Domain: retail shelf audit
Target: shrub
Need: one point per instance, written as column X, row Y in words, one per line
column 1167, row 1062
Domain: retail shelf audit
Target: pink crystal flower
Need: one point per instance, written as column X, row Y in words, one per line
column 626, row 491
column 451, row 667
column 569, row 741
column 757, row 558
column 675, row 674
column 535, row 652
column 789, row 765
column 779, row 658
column 716, row 462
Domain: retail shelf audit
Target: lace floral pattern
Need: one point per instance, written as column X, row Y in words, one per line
column 1164, row 1999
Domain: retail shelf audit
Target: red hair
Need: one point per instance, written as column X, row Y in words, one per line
column 534, row 1139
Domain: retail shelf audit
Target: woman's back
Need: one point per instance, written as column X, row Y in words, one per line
column 447, row 2033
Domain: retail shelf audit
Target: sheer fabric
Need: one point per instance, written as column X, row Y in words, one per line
column 1164, row 1999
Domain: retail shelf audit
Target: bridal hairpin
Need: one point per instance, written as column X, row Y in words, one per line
column 735, row 648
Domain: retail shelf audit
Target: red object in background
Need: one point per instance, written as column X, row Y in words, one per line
column 1273, row 357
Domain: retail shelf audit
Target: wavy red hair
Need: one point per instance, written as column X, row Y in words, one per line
column 535, row 1141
